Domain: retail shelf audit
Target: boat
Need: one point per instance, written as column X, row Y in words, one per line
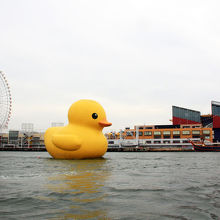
column 203, row 147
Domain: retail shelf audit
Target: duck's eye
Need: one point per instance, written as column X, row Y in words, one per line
column 94, row 115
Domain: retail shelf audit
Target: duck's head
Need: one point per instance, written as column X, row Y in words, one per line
column 88, row 113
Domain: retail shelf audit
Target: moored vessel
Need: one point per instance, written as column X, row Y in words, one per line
column 203, row 147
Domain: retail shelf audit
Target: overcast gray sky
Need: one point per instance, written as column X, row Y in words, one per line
column 137, row 58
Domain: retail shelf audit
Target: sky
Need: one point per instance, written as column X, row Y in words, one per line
column 136, row 58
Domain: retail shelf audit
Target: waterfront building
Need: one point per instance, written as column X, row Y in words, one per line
column 20, row 139
column 160, row 136
column 188, row 116
column 187, row 124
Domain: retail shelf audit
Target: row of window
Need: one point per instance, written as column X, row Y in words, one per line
column 168, row 133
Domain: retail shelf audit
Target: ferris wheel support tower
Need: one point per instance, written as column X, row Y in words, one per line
column 5, row 102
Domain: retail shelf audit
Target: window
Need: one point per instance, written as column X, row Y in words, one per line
column 157, row 133
column 129, row 133
column 206, row 132
column 176, row 142
column 147, row 133
column 140, row 133
column 196, row 132
column 186, row 126
column 176, row 132
column 157, row 142
column 147, row 142
column 185, row 132
column 111, row 142
column 166, row 133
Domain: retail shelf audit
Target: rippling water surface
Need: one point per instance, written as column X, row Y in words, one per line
column 120, row 186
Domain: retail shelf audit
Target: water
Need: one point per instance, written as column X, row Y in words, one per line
column 120, row 186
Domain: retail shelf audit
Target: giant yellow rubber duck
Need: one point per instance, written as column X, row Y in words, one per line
column 82, row 138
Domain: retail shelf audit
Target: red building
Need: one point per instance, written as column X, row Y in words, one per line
column 188, row 116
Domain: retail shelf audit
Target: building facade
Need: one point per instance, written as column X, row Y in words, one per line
column 186, row 124
column 22, row 139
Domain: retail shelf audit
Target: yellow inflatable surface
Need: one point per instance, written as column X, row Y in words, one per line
column 82, row 138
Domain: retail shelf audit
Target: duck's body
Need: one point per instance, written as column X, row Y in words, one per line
column 82, row 137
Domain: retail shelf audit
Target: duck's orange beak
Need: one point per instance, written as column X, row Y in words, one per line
column 105, row 123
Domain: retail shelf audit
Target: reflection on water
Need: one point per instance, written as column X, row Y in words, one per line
column 77, row 185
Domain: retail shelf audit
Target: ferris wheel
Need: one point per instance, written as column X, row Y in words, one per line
column 5, row 102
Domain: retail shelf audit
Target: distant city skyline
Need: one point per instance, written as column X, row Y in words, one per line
column 136, row 58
